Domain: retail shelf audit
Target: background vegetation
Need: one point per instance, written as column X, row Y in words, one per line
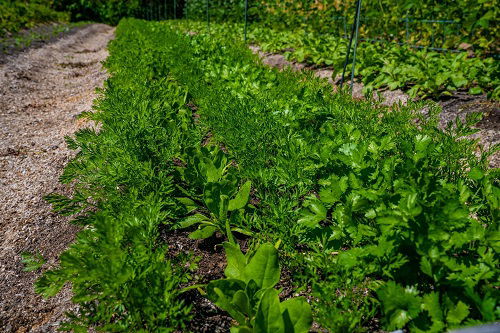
column 477, row 22
column 17, row 15
column 106, row 11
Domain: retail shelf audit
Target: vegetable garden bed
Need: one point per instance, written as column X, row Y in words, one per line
column 383, row 220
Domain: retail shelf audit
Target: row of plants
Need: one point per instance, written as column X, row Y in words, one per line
column 381, row 220
column 17, row 15
column 144, row 170
column 473, row 23
column 419, row 72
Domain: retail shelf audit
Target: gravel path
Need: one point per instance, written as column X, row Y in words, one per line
column 41, row 92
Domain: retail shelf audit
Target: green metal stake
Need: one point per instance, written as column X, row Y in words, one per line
column 175, row 9
column 246, row 21
column 348, row 53
column 165, row 10
column 355, row 45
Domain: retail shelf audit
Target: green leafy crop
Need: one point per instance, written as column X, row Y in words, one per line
column 248, row 293
column 385, row 221
column 420, row 72
column 220, row 197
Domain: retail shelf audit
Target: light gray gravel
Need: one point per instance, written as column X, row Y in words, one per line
column 42, row 91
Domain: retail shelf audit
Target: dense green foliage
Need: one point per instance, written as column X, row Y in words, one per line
column 420, row 72
column 477, row 21
column 107, row 11
column 17, row 15
column 379, row 214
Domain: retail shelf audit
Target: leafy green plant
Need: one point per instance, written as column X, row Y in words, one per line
column 17, row 15
column 226, row 211
column 420, row 72
column 32, row 262
column 376, row 208
column 120, row 277
column 248, row 293
column 209, row 169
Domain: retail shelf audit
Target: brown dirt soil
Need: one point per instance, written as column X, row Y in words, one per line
column 41, row 93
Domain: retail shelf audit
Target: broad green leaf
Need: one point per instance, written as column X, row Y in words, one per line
column 400, row 305
column 240, row 299
column 432, row 306
column 223, row 207
column 252, row 291
column 188, row 203
column 426, row 266
column 475, row 91
column 263, row 268
column 212, row 174
column 192, row 220
column 242, row 231
column 212, row 196
column 297, row 315
column 458, row 314
column 269, row 318
column 458, row 80
column 476, row 174
column 398, row 319
column 241, row 198
column 203, row 233
column 221, row 292
column 236, row 261
column 314, row 213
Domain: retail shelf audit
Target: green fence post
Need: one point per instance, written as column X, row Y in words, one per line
column 175, row 9
column 246, row 21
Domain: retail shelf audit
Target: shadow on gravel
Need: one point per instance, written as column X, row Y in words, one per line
column 35, row 38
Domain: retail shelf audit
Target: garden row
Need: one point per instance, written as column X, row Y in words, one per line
column 420, row 72
column 460, row 20
column 381, row 220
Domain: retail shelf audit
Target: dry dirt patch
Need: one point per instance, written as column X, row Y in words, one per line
column 41, row 92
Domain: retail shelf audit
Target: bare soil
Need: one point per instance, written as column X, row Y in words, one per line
column 42, row 90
